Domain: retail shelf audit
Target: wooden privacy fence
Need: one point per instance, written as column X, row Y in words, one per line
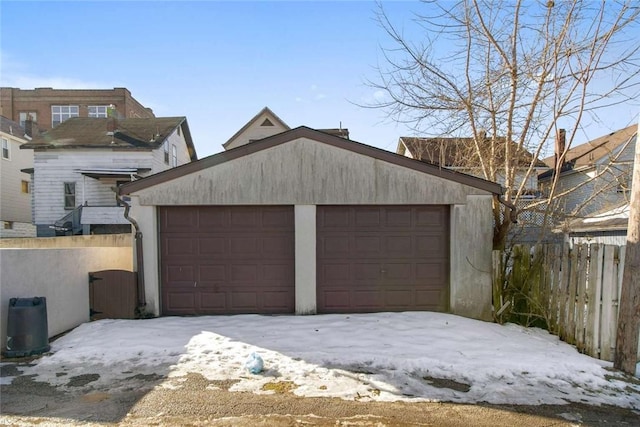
column 573, row 292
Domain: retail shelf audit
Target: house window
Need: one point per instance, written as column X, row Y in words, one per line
column 165, row 147
column 174, row 156
column 8, row 225
column 24, row 186
column 98, row 111
column 60, row 113
column 5, row 148
column 179, row 131
column 28, row 114
column 69, row 195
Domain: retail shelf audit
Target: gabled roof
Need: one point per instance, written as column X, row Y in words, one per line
column 457, row 152
column 255, row 118
column 319, row 137
column 591, row 152
column 130, row 134
column 12, row 128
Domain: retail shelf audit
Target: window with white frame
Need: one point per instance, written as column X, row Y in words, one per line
column 98, row 111
column 174, row 156
column 60, row 113
column 5, row 149
column 165, row 147
column 69, row 195
column 26, row 115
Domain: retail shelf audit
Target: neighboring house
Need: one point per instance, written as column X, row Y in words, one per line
column 49, row 107
column 594, row 176
column 265, row 124
column 308, row 222
column 79, row 163
column 459, row 154
column 608, row 226
column 15, row 186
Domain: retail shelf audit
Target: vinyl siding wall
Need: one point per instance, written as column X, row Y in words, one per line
column 54, row 168
column 15, row 205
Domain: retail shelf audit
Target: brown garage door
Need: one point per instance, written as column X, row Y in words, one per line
column 227, row 259
column 382, row 258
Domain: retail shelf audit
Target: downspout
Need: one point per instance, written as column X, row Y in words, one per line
column 513, row 211
column 142, row 303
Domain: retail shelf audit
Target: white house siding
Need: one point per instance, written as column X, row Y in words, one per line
column 158, row 155
column 15, row 206
column 305, row 173
column 255, row 131
column 53, row 168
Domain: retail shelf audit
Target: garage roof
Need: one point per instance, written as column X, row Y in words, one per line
column 317, row 136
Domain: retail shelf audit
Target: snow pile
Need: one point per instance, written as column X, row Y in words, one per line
column 382, row 356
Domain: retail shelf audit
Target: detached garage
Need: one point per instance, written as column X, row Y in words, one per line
column 306, row 222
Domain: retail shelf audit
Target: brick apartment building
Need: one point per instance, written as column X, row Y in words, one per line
column 49, row 107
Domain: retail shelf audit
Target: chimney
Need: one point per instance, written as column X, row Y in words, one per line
column 561, row 142
column 31, row 127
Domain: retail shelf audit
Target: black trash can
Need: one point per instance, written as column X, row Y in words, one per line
column 27, row 327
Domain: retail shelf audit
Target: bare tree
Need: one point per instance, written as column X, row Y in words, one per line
column 510, row 71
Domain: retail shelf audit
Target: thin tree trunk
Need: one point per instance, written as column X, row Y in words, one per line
column 629, row 315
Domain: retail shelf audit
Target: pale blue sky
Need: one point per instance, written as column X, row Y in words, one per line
column 217, row 63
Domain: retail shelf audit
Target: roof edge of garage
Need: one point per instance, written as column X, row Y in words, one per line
column 305, row 132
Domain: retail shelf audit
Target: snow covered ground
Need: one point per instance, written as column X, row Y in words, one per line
column 384, row 356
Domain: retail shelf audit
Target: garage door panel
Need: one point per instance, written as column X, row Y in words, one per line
column 245, row 217
column 227, row 259
column 180, row 246
column 181, row 300
column 431, row 272
column 276, row 300
column 336, row 272
column 400, row 217
column 367, row 217
column 212, row 246
column 277, row 217
column 404, row 271
column 369, row 272
column 244, row 301
column 213, row 273
column 214, row 301
column 277, row 247
column 180, row 219
column 334, row 245
column 337, row 299
column 398, row 245
column 179, row 273
column 432, row 245
column 367, row 244
column 431, row 217
column 379, row 258
column 244, row 247
column 399, row 299
column 244, row 273
column 333, row 219
column 276, row 273
column 211, row 219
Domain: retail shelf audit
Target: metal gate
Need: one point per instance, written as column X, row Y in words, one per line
column 112, row 294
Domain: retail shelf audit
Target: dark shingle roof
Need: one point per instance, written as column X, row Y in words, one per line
column 597, row 149
column 11, row 127
column 133, row 133
column 459, row 152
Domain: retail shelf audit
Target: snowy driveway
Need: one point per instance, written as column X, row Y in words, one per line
column 383, row 357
